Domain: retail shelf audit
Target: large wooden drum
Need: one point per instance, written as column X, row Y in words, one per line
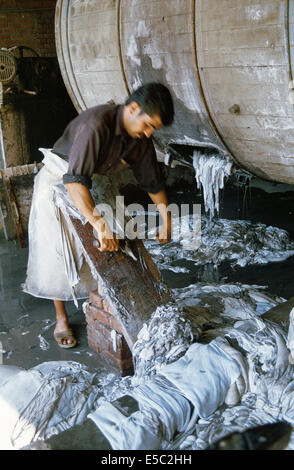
column 228, row 64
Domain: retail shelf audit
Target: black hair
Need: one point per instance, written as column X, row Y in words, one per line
column 154, row 98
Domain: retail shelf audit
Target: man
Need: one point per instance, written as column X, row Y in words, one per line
column 96, row 141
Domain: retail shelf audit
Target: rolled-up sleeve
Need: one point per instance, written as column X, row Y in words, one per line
column 83, row 156
column 146, row 169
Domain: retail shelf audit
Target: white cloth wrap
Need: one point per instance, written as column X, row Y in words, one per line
column 56, row 266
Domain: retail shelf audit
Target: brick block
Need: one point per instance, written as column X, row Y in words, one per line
column 120, row 364
column 100, row 301
column 100, row 342
column 108, row 307
column 114, row 352
column 96, row 299
column 94, row 313
column 123, row 371
column 101, row 338
column 119, row 361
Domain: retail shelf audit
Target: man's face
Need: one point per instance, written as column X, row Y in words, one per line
column 139, row 124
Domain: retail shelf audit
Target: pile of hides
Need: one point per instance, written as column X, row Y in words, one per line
column 57, row 395
column 43, row 401
column 240, row 242
column 265, row 394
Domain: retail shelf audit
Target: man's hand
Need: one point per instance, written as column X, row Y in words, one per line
column 108, row 240
column 163, row 235
column 81, row 197
column 161, row 202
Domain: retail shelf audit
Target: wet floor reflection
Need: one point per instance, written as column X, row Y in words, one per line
column 27, row 323
column 278, row 277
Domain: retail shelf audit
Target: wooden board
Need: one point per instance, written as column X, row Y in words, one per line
column 133, row 288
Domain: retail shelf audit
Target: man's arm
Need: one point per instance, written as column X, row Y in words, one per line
column 82, row 199
column 161, row 202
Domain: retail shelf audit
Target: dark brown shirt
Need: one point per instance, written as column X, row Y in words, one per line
column 95, row 142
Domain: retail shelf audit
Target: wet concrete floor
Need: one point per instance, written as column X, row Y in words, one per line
column 27, row 323
column 26, row 339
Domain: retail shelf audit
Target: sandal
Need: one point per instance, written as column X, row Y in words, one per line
column 66, row 334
